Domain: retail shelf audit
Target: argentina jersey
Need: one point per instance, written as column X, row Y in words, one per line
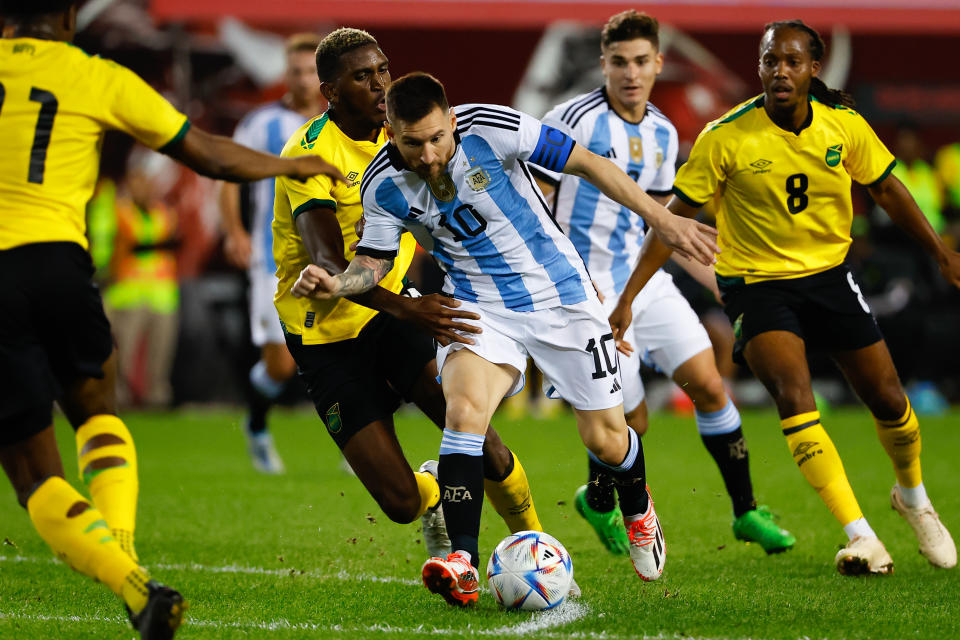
column 266, row 129
column 486, row 223
column 607, row 235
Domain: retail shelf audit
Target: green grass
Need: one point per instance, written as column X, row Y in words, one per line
column 315, row 542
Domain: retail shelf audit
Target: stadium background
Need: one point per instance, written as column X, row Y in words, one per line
column 216, row 59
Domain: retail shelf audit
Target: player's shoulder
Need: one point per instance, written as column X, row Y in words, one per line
column 733, row 122
column 384, row 165
column 262, row 114
column 306, row 138
column 578, row 109
column 838, row 113
column 658, row 118
column 476, row 117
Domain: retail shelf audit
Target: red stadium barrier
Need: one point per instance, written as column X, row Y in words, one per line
column 894, row 16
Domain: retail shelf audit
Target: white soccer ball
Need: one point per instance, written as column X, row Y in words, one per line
column 530, row 570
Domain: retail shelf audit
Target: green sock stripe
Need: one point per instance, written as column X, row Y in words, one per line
column 97, row 524
column 89, row 474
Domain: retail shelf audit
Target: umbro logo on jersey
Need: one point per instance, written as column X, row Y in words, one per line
column 834, row 154
column 616, row 386
column 352, row 175
column 760, row 166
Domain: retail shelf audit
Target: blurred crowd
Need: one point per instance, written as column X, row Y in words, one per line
column 178, row 305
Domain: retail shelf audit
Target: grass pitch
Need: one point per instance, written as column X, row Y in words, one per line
column 309, row 555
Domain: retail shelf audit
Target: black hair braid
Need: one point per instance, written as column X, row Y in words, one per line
column 818, row 88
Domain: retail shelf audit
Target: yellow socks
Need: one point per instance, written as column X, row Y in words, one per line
column 901, row 440
column 78, row 534
column 820, row 464
column 429, row 491
column 512, row 500
column 108, row 468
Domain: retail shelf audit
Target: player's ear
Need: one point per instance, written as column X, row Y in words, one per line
column 815, row 67
column 658, row 62
column 391, row 135
column 329, row 91
column 453, row 119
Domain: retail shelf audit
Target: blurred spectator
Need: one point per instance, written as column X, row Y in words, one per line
column 918, row 176
column 142, row 296
column 947, row 163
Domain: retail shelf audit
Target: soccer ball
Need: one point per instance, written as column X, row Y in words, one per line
column 530, row 570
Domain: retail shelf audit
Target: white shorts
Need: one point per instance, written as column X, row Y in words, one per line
column 572, row 345
column 264, row 320
column 665, row 333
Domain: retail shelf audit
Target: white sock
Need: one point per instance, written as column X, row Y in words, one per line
column 263, row 383
column 914, row 497
column 859, row 528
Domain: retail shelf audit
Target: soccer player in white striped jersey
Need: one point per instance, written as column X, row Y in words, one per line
column 618, row 121
column 458, row 180
column 268, row 128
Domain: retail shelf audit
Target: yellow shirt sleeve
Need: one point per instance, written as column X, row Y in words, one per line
column 313, row 193
column 868, row 161
column 700, row 177
column 131, row 105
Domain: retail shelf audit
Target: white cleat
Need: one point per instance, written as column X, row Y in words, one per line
column 264, row 454
column 864, row 556
column 574, row 589
column 648, row 549
column 935, row 541
column 435, row 537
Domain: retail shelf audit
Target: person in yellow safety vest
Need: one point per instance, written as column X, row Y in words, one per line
column 143, row 296
column 947, row 163
column 919, row 177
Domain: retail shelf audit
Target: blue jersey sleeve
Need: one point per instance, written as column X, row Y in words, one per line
column 552, row 150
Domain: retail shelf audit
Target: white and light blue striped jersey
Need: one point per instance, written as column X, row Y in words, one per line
column 489, row 227
column 266, row 128
column 607, row 235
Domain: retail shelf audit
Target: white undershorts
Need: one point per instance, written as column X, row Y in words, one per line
column 665, row 333
column 571, row 345
column 264, row 320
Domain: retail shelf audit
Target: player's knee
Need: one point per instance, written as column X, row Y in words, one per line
column 886, row 401
column 400, row 507
column 463, row 414
column 281, row 370
column 608, row 444
column 708, row 394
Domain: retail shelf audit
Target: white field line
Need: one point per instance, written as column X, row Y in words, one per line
column 542, row 622
column 538, row 623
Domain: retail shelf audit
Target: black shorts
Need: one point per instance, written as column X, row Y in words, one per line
column 826, row 310
column 53, row 331
column 355, row 382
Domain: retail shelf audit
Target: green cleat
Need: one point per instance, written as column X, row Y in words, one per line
column 758, row 526
column 609, row 525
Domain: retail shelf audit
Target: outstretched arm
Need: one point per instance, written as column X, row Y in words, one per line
column 221, row 158
column 903, row 210
column 435, row 314
column 687, row 237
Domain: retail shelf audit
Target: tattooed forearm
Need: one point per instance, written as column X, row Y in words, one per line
column 362, row 275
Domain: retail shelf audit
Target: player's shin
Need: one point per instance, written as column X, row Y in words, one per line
column 600, row 493
column 79, row 535
column 460, row 471
column 107, row 460
column 510, row 496
column 901, row 440
column 630, row 477
column 722, row 436
column 819, row 462
column 428, row 489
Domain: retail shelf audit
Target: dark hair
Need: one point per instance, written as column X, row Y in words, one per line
column 337, row 43
column 818, row 89
column 413, row 96
column 28, row 8
column 630, row 25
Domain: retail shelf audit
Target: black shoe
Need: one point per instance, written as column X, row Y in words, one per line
column 162, row 615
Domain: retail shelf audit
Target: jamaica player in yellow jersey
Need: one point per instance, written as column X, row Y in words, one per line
column 358, row 363
column 779, row 169
column 55, row 342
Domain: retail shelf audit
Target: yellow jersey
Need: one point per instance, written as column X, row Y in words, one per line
column 325, row 321
column 782, row 199
column 55, row 103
